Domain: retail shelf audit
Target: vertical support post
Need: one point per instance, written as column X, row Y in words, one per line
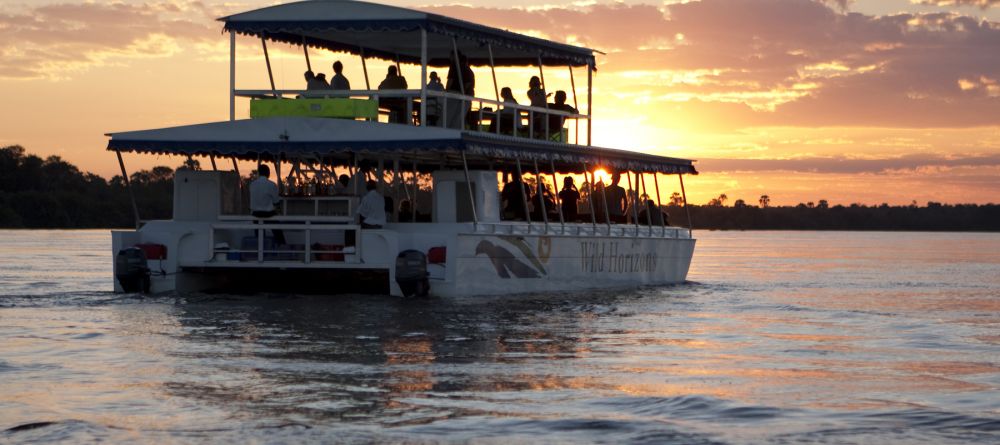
column 416, row 191
column 493, row 71
column 461, row 82
column 423, row 77
column 128, row 186
column 211, row 157
column 524, row 199
column 270, row 74
column 540, row 193
column 576, row 122
column 634, row 192
column 659, row 205
column 686, row 209
column 472, row 197
column 364, row 68
column 232, row 76
column 277, row 174
column 236, row 168
column 649, row 211
column 305, row 49
column 590, row 194
column 541, row 76
column 555, row 184
column 395, row 189
column 590, row 101
column 607, row 214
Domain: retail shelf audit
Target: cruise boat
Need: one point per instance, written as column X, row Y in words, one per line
column 440, row 158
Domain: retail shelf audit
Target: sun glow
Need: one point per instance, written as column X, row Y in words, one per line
column 602, row 175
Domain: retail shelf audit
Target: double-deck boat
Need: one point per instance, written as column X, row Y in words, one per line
column 438, row 156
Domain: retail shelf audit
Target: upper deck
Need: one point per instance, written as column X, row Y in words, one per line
column 464, row 52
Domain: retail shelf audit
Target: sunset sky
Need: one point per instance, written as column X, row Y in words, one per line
column 865, row 101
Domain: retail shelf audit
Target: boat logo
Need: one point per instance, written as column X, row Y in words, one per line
column 504, row 256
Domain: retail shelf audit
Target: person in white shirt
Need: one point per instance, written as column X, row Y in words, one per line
column 372, row 208
column 264, row 197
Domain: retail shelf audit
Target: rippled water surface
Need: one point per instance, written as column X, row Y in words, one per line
column 781, row 337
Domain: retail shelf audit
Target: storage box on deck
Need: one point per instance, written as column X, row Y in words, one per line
column 343, row 108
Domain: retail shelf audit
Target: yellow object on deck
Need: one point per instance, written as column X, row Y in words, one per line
column 343, row 108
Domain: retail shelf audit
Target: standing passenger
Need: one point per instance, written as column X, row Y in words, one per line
column 617, row 199
column 264, row 198
column 458, row 110
column 538, row 97
column 434, row 103
column 569, row 196
column 395, row 105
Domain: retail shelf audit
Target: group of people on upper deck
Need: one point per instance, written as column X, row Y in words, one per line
column 508, row 119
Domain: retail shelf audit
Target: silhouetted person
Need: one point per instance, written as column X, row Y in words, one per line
column 617, row 199
column 657, row 216
column 434, row 103
column 512, row 199
column 569, row 196
column 508, row 117
column 264, row 199
column 314, row 83
column 458, row 110
column 556, row 121
column 405, row 211
column 339, row 81
column 395, row 105
column 371, row 210
column 538, row 99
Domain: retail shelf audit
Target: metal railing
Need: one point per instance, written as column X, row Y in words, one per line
column 306, row 252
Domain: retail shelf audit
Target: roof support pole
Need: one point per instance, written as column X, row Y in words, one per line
column 576, row 122
column 395, row 189
column 634, row 195
column 461, row 82
column 364, row 68
column 541, row 76
column 472, row 196
column 236, row 168
column 305, row 49
column 128, row 186
column 493, row 71
column 686, row 208
column 520, row 189
column 267, row 59
column 649, row 211
column 211, row 157
column 590, row 194
column 659, row 206
column 277, row 174
column 416, row 189
column 232, row 76
column 590, row 101
column 540, row 194
column 607, row 215
column 558, row 200
column 423, row 77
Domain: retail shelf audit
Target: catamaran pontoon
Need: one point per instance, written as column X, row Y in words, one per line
column 453, row 239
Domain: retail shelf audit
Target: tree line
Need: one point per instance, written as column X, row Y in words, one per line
column 52, row 193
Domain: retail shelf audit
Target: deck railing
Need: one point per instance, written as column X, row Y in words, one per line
column 313, row 242
column 438, row 103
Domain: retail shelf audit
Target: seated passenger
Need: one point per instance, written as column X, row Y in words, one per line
column 339, row 81
column 434, row 103
column 508, row 118
column 556, row 121
column 314, row 83
column 395, row 105
column 657, row 216
column 405, row 211
column 371, row 211
column 513, row 201
column 264, row 198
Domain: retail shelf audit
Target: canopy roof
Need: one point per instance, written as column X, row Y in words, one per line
column 342, row 139
column 393, row 33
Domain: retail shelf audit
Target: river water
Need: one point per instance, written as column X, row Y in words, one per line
column 780, row 337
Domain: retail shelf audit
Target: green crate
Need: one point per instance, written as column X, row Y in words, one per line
column 342, row 108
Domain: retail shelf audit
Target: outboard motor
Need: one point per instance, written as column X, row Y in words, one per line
column 411, row 273
column 131, row 270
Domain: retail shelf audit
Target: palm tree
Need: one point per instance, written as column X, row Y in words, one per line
column 765, row 201
column 722, row 199
column 676, row 199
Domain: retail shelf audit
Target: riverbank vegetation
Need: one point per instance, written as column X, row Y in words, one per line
column 52, row 193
